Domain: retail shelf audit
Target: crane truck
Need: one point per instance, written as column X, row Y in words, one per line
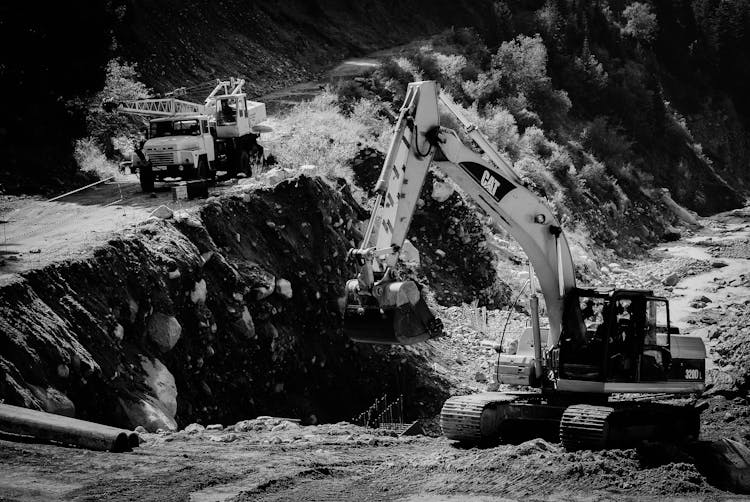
column 192, row 140
column 598, row 342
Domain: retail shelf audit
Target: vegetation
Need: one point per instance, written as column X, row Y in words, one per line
column 577, row 97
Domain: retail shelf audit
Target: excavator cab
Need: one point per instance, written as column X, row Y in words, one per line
column 620, row 337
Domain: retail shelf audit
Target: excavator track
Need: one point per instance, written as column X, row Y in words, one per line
column 466, row 418
column 584, row 427
column 626, row 424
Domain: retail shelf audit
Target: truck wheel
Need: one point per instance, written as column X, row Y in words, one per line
column 146, row 175
column 204, row 172
column 243, row 165
column 189, row 172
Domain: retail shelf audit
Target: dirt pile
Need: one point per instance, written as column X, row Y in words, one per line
column 218, row 314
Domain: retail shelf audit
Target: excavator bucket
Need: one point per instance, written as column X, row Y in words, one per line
column 367, row 320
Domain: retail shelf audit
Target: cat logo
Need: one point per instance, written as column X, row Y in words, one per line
column 490, row 183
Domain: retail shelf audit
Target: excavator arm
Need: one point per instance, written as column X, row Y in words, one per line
column 382, row 309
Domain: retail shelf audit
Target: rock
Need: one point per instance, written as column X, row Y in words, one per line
column 175, row 274
column 194, row 428
column 535, row 446
column 440, row 253
column 199, row 292
column 246, row 324
column 702, row 299
column 480, row 377
column 162, row 384
column 284, row 288
column 206, row 256
column 247, row 425
column 671, row 280
column 671, row 234
column 215, row 427
column 225, row 438
column 140, row 430
column 63, row 371
column 119, row 332
column 54, row 401
column 719, row 264
column 162, row 212
column 441, row 191
column 275, row 175
column 164, row 330
column 182, row 216
column 35, row 251
column 284, row 426
column 147, row 412
column 410, row 254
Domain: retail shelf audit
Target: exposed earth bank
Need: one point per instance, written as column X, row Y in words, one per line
column 218, row 313
column 275, row 459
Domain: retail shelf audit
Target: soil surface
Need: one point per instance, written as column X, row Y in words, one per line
column 275, row 459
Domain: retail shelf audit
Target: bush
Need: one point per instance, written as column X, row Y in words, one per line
column 317, row 133
column 426, row 64
column 606, row 141
column 121, row 84
column 641, row 22
column 595, row 177
column 533, row 142
column 391, row 80
column 91, row 159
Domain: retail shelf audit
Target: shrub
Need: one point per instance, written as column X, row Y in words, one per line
column 641, row 22
column 349, row 92
column 596, row 179
column 606, row 141
column 91, row 159
column 121, row 84
column 471, row 44
column 426, row 64
column 317, row 133
column 533, row 142
column 561, row 165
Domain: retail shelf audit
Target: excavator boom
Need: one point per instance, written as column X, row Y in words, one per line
column 491, row 182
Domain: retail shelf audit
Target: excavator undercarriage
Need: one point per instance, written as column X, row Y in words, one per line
column 491, row 417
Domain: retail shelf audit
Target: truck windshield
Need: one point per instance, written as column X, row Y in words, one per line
column 175, row 128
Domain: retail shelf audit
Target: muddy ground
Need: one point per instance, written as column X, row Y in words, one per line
column 705, row 275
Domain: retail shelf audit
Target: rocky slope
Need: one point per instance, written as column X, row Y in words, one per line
column 220, row 313
column 273, row 43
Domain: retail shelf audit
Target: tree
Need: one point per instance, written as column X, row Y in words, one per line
column 641, row 22
column 121, row 84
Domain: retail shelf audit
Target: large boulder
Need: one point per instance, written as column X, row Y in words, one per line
column 161, row 382
column 164, row 330
column 441, row 191
column 148, row 412
column 54, row 401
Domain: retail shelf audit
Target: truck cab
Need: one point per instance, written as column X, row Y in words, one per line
column 177, row 147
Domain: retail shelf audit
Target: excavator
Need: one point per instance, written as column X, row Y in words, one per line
column 604, row 353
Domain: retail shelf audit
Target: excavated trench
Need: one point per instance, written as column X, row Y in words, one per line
column 217, row 315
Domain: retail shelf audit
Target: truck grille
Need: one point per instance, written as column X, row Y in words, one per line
column 161, row 158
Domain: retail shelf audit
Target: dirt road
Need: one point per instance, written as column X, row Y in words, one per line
column 279, row 461
column 35, row 232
